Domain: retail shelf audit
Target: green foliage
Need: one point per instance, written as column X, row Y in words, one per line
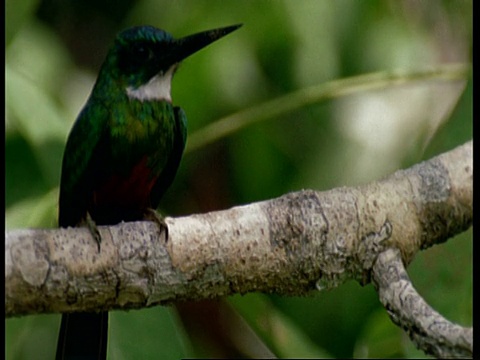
column 283, row 47
column 166, row 342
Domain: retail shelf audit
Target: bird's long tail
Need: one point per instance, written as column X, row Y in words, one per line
column 83, row 336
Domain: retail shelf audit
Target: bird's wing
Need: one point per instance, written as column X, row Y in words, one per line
column 80, row 162
column 170, row 170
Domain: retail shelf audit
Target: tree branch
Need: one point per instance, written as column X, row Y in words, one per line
column 288, row 245
column 428, row 329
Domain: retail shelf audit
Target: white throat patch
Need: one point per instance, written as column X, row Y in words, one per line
column 158, row 88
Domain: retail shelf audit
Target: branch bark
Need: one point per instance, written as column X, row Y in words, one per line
column 288, row 245
column 428, row 329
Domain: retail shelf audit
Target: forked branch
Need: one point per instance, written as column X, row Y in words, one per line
column 289, row 245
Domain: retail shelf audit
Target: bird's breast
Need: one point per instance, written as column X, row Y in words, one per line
column 138, row 121
column 133, row 159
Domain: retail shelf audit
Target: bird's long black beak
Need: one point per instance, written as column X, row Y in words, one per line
column 188, row 45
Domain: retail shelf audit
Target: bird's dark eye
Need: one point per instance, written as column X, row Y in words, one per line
column 135, row 58
column 141, row 53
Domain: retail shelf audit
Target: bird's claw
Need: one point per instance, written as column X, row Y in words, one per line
column 92, row 226
column 153, row 215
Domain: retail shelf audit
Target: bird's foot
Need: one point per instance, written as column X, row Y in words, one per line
column 156, row 217
column 92, row 226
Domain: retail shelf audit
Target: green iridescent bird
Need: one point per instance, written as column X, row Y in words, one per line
column 123, row 152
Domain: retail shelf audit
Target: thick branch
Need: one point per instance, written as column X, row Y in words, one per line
column 288, row 245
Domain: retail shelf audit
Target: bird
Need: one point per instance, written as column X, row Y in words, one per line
column 123, row 152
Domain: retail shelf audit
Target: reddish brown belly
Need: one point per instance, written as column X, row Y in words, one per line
column 131, row 191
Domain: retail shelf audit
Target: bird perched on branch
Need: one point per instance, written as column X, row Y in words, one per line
column 123, row 153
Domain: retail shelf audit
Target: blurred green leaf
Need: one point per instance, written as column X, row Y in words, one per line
column 40, row 212
column 443, row 276
column 17, row 14
column 33, row 114
column 31, row 337
column 284, row 338
column 153, row 333
column 38, row 55
column 319, row 93
column 381, row 338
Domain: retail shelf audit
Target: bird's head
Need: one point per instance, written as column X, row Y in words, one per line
column 143, row 60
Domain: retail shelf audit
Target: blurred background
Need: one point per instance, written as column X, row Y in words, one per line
column 54, row 49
